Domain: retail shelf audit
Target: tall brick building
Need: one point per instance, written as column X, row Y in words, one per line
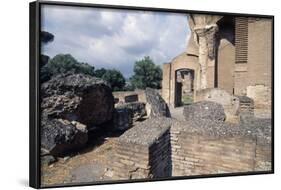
column 226, row 52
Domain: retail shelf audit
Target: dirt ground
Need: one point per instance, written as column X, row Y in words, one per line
column 86, row 166
column 91, row 163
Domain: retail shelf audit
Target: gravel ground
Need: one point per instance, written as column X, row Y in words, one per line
column 251, row 127
column 204, row 110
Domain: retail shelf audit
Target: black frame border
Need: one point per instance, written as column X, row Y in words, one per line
column 34, row 91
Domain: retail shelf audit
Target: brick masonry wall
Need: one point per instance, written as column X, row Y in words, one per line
column 131, row 161
column 256, row 69
column 262, row 156
column 160, row 157
column 194, row 154
column 164, row 148
column 143, row 152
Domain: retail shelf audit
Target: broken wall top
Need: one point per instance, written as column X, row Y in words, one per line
column 147, row 132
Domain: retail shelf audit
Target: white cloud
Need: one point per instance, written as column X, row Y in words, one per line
column 114, row 38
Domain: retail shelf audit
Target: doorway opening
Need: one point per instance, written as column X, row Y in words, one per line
column 184, row 87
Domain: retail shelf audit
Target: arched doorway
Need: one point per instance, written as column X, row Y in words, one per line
column 183, row 66
column 184, row 86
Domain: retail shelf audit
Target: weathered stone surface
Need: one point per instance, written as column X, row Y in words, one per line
column 122, row 119
column 47, row 159
column 144, row 151
column 129, row 96
column 204, row 110
column 60, row 136
column 246, row 108
column 155, row 105
column 148, row 131
column 230, row 103
column 261, row 95
column 253, row 127
column 137, row 108
column 245, row 99
column 77, row 97
column 125, row 114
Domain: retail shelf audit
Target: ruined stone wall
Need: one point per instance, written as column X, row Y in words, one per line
column 229, row 102
column 261, row 95
column 143, row 152
column 162, row 147
column 131, row 161
column 253, row 77
column 197, row 154
column 125, row 96
column 183, row 61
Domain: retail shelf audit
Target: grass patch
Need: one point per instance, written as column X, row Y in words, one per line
column 187, row 99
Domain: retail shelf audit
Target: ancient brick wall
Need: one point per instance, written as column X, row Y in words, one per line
column 259, row 51
column 253, row 54
column 143, row 152
column 169, row 90
column 263, row 155
column 261, row 95
column 164, row 147
column 197, row 154
column 131, row 161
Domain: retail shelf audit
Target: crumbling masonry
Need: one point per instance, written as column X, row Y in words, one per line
column 163, row 147
column 228, row 60
column 226, row 52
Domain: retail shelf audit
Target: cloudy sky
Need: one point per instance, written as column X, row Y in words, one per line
column 114, row 38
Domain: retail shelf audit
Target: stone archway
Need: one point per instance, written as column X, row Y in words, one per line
column 169, row 85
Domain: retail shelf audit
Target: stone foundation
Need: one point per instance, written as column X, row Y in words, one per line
column 163, row 147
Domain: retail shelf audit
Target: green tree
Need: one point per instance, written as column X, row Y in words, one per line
column 100, row 72
column 115, row 79
column 63, row 63
column 146, row 74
